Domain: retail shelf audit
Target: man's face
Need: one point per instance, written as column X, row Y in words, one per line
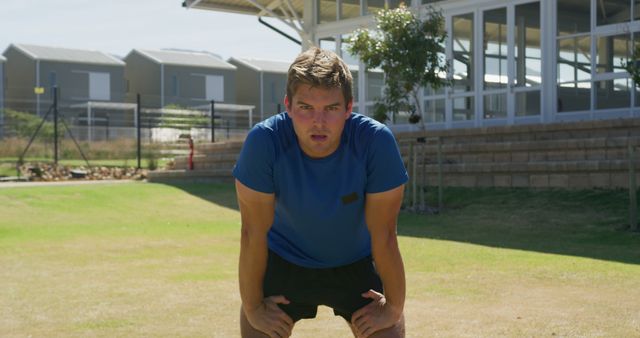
column 318, row 116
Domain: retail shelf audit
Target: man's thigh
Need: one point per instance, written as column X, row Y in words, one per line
column 348, row 283
column 340, row 288
column 291, row 281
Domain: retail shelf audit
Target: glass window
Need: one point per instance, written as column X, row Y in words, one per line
column 612, row 51
column 528, row 103
column 613, row 94
column 462, row 40
column 375, row 84
column 495, row 48
column 528, row 71
column 349, row 9
column 574, row 59
column 613, row 11
column 463, row 108
column 429, row 91
column 495, row 106
column 346, row 56
column 636, row 12
column 574, row 16
column 327, row 11
column 370, row 110
column 328, row 43
column 574, row 96
column 354, row 87
column 434, row 110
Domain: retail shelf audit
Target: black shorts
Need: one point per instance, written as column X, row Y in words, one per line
column 340, row 288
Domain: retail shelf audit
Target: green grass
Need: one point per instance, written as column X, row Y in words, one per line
column 145, row 259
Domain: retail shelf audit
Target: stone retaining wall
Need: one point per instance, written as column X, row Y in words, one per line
column 562, row 155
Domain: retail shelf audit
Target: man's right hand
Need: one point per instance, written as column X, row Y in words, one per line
column 269, row 318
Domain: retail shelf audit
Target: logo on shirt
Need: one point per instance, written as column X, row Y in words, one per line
column 350, row 198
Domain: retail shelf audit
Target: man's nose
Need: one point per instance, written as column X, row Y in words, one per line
column 319, row 116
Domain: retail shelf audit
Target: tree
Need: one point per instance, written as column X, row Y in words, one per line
column 410, row 52
column 25, row 124
column 633, row 65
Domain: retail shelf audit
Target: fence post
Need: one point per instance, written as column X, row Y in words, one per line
column 440, row 186
column 55, row 125
column 633, row 188
column 138, row 126
column 423, row 178
column 107, row 131
column 409, row 185
column 414, row 182
column 213, row 123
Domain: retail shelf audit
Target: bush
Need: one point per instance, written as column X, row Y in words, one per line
column 26, row 124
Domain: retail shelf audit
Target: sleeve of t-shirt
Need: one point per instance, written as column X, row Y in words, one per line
column 255, row 163
column 385, row 168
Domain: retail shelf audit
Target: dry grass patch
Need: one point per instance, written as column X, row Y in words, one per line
column 149, row 260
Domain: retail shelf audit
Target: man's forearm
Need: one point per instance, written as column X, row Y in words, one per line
column 253, row 263
column 386, row 255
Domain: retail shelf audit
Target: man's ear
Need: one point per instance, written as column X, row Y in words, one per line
column 287, row 104
column 349, row 109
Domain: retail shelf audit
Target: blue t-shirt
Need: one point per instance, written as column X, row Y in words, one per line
column 319, row 214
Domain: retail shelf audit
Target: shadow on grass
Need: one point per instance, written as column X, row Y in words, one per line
column 588, row 223
column 223, row 194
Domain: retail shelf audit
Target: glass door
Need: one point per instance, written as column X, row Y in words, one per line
column 512, row 63
column 496, row 60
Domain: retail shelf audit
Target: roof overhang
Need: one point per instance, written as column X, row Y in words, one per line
column 289, row 12
column 248, row 7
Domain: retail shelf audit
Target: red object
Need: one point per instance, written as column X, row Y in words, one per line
column 190, row 153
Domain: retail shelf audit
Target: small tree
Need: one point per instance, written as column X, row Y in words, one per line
column 632, row 65
column 410, row 52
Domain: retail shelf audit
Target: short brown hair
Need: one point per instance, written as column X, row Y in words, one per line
column 319, row 68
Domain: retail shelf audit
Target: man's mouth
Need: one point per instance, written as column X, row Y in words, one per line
column 318, row 137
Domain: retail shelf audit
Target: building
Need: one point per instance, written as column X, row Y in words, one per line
column 79, row 75
column 512, row 62
column 2, row 84
column 261, row 83
column 186, row 79
column 2, row 81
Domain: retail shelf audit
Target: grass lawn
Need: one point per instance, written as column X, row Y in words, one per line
column 154, row 260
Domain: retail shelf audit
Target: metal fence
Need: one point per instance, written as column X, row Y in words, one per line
column 136, row 132
column 416, row 197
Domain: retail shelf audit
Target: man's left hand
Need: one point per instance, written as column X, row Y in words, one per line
column 375, row 316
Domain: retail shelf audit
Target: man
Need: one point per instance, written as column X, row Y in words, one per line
column 319, row 190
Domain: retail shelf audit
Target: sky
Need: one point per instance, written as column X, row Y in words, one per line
column 118, row 26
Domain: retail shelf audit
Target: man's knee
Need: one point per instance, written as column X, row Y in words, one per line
column 396, row 331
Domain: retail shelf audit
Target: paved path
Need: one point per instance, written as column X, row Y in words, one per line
column 61, row 183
